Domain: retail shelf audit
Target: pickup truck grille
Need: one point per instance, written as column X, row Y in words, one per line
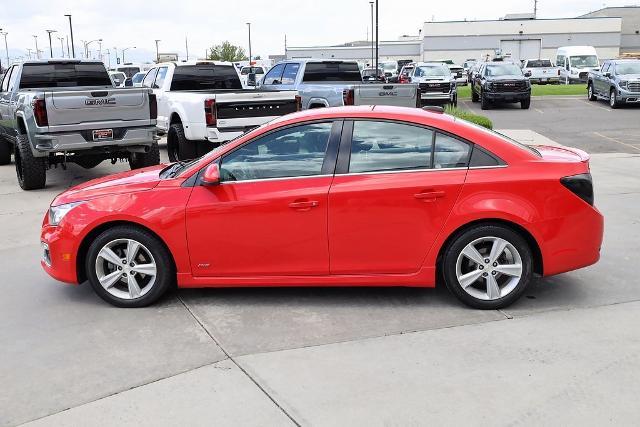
column 234, row 110
column 434, row 87
column 510, row 86
column 634, row 86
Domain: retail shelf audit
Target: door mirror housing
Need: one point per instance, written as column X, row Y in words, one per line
column 527, row 74
column 211, row 175
column 607, row 75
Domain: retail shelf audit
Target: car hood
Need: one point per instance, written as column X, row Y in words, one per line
column 630, row 76
column 125, row 182
column 434, row 79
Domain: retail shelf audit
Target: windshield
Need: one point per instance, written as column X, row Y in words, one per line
column 503, row 70
column 389, row 66
column 432, row 71
column 582, row 61
column 538, row 63
column 628, row 68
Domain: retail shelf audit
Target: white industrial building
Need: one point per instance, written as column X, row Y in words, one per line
column 611, row 31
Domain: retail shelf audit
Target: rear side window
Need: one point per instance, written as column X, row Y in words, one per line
column 162, row 73
column 205, row 77
column 64, row 75
column 149, row 78
column 292, row 152
column 386, row 146
column 290, row 73
column 5, row 80
column 332, row 72
column 450, row 152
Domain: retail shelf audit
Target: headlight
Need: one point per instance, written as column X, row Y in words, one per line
column 623, row 84
column 56, row 213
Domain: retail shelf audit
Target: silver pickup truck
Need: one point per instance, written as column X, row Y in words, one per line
column 59, row 111
column 618, row 82
column 322, row 83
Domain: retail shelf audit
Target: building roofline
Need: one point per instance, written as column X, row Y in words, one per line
column 518, row 20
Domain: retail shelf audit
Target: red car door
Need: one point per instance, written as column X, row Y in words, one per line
column 391, row 197
column 269, row 214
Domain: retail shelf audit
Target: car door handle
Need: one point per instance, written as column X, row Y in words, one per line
column 304, row 205
column 429, row 196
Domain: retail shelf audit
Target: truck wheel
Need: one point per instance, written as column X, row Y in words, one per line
column 142, row 160
column 178, row 146
column 474, row 95
column 484, row 102
column 31, row 171
column 5, row 152
column 525, row 103
column 454, row 104
column 590, row 95
column 613, row 99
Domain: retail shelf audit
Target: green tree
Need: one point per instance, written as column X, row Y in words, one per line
column 227, row 52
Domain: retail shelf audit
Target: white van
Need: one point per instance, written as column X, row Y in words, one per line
column 575, row 63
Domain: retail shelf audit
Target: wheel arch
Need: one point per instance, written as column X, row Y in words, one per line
column 538, row 266
column 83, row 248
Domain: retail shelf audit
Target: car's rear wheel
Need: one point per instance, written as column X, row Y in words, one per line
column 488, row 267
column 178, row 146
column 30, row 170
column 590, row 94
column 129, row 267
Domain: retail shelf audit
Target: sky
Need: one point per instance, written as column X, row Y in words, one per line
column 123, row 24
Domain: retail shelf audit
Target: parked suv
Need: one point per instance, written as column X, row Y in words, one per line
column 500, row 82
column 437, row 86
column 618, row 81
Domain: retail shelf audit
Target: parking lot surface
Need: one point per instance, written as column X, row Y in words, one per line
column 567, row 353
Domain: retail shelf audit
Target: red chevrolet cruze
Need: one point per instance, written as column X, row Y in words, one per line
column 354, row 196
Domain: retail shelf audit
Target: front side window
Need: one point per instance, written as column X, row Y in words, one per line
column 162, row 73
column 386, row 146
column 292, row 152
column 450, row 152
column 149, row 78
column 5, row 81
column 274, row 75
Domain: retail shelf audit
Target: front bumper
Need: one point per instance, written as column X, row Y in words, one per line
column 507, row 96
column 437, row 97
column 628, row 97
column 58, row 254
column 45, row 143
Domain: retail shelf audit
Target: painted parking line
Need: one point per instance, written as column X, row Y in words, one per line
column 616, row 140
column 539, row 111
column 592, row 104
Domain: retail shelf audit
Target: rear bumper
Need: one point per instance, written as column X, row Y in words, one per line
column 554, row 79
column 45, row 143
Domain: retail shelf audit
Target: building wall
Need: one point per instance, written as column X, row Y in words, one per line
column 630, row 41
column 362, row 54
column 476, row 39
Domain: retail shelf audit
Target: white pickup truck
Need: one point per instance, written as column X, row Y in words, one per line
column 202, row 105
column 541, row 71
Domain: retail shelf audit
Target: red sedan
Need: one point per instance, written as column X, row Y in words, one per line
column 353, row 196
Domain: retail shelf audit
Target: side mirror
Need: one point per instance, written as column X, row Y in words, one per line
column 607, row 75
column 128, row 83
column 527, row 74
column 251, row 79
column 211, row 175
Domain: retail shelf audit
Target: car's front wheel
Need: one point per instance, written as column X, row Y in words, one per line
column 484, row 102
column 129, row 267
column 488, row 267
column 613, row 99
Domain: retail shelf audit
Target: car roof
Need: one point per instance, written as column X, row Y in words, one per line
column 195, row 62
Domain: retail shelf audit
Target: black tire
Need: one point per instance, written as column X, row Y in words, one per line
column 165, row 276
column 178, row 146
column 591, row 96
column 484, row 102
column 613, row 99
column 457, row 245
column 525, row 103
column 474, row 95
column 5, row 152
column 454, row 104
column 143, row 160
column 31, row 171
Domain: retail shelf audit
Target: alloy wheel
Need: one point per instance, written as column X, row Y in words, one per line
column 126, row 269
column 489, row 268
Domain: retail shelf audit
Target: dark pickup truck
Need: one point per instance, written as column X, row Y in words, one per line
column 500, row 82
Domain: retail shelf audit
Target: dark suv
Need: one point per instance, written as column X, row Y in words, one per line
column 501, row 82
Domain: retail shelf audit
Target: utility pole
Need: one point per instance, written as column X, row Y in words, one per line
column 6, row 49
column 115, row 50
column 186, row 45
column 61, row 39
column 73, row 47
column 249, row 25
column 68, row 51
column 157, row 51
column 372, row 47
column 377, row 42
column 535, row 8
column 37, row 51
column 50, row 46
column 29, row 52
column 285, row 46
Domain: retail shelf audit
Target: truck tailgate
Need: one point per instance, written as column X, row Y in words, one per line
column 249, row 108
column 100, row 105
column 401, row 95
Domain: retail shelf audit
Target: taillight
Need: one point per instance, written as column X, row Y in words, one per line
column 153, row 106
column 298, row 103
column 580, row 185
column 348, row 97
column 210, row 115
column 40, row 112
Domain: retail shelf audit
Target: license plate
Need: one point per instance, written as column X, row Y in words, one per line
column 103, row 135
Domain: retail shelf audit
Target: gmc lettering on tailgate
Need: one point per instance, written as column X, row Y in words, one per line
column 100, row 101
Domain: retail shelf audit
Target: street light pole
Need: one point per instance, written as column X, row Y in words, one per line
column 157, row 51
column 6, row 49
column 377, row 42
column 50, row 46
column 115, row 49
column 372, row 47
column 73, row 47
column 37, row 51
column 124, row 50
column 61, row 39
column 249, row 25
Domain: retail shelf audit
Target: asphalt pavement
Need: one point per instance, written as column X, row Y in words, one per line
column 568, row 353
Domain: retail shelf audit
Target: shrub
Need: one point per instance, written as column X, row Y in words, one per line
column 469, row 116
